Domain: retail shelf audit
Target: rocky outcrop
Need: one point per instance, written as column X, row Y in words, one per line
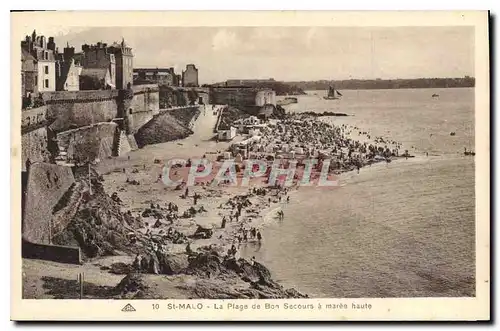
column 132, row 286
column 216, row 276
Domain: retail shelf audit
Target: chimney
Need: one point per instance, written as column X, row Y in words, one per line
column 51, row 44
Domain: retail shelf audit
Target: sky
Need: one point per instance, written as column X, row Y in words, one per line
column 291, row 53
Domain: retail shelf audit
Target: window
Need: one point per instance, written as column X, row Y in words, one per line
column 36, row 80
column 46, row 83
column 46, row 70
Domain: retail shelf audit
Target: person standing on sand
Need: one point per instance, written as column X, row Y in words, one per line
column 288, row 199
column 137, row 262
column 189, row 251
column 223, row 225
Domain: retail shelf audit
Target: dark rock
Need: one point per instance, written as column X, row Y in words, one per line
column 132, row 283
column 120, row 268
column 172, row 264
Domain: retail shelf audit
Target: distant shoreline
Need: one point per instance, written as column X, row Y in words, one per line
column 384, row 84
column 393, row 88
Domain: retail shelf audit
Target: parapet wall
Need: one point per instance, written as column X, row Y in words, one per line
column 89, row 142
column 46, row 185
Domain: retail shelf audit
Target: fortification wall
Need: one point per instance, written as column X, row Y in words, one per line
column 234, row 96
column 46, row 184
column 265, row 97
column 34, row 146
column 71, row 109
column 144, row 105
column 89, row 142
column 205, row 97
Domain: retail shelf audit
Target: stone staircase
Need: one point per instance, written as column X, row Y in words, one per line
column 122, row 145
column 62, row 157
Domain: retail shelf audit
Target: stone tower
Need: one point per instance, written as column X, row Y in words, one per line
column 124, row 64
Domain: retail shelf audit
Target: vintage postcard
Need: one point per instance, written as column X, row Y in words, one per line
column 312, row 166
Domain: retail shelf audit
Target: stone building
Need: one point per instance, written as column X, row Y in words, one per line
column 68, row 78
column 43, row 52
column 29, row 74
column 190, row 76
column 99, row 56
column 124, row 64
column 116, row 58
column 68, row 69
column 160, row 76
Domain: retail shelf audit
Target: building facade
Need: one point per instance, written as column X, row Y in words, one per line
column 68, row 78
column 43, row 51
column 29, row 74
column 160, row 76
column 190, row 76
column 99, row 56
column 68, row 69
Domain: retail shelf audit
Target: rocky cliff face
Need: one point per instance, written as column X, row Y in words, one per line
column 98, row 226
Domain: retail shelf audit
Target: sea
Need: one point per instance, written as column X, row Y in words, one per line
column 402, row 229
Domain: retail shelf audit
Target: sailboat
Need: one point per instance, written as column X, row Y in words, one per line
column 333, row 94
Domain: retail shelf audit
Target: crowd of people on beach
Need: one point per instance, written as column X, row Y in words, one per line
column 301, row 137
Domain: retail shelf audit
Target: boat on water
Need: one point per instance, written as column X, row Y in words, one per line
column 435, row 95
column 466, row 152
column 333, row 94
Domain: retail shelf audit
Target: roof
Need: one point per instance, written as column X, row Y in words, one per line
column 99, row 73
column 153, row 70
